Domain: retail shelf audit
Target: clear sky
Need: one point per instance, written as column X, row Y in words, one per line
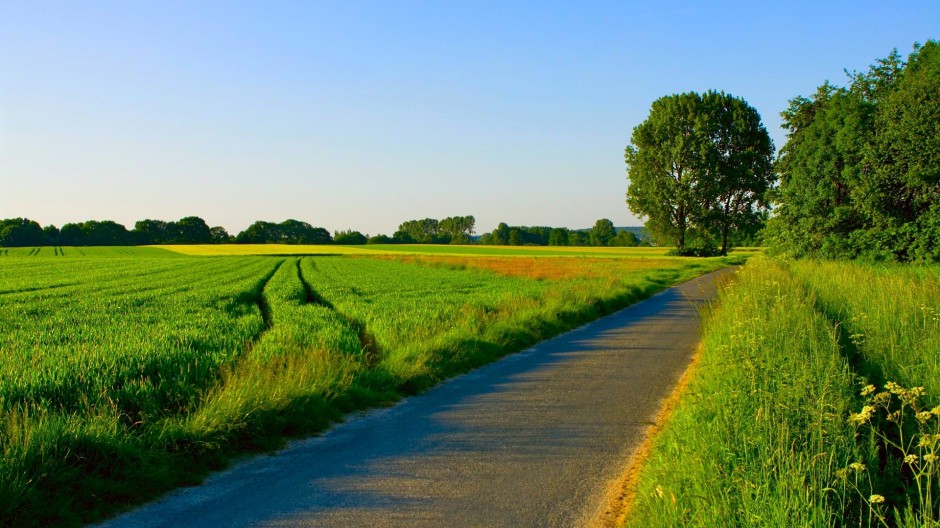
column 364, row 114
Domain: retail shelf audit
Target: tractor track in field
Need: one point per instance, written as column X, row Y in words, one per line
column 367, row 341
column 267, row 318
column 544, row 437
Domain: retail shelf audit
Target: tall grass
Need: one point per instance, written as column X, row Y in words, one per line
column 776, row 429
column 891, row 313
column 761, row 433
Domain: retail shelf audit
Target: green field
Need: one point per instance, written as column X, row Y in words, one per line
column 124, row 373
column 421, row 249
column 777, row 427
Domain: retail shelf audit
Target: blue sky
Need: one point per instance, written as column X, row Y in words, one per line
column 364, row 114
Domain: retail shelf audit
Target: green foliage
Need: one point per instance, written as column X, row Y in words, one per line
column 861, row 166
column 20, row 232
column 558, row 237
column 603, row 233
column 776, row 428
column 287, row 232
column 95, row 233
column 625, row 238
column 761, row 430
column 349, row 237
column 700, row 163
column 451, row 230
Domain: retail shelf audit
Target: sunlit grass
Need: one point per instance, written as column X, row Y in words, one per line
column 776, row 429
column 122, row 377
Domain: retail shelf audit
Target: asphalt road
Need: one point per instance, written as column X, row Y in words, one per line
column 531, row 440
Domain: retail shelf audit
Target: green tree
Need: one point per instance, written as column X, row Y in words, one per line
column 602, row 233
column 191, row 230
column 699, row 164
column 861, row 167
column 219, row 235
column 625, row 238
column 151, row 232
column 349, row 237
column 426, row 231
column 738, row 167
column 515, row 237
column 458, row 228
column 19, row 232
column 501, row 234
column 558, row 237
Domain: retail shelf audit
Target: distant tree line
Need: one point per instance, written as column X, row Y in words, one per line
column 194, row 230
column 860, row 172
column 189, row 230
column 450, row 230
column 602, row 234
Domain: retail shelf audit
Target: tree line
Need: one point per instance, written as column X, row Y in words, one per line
column 18, row 232
column 860, row 172
column 602, row 234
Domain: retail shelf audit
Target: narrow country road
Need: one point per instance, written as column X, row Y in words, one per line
column 531, row 440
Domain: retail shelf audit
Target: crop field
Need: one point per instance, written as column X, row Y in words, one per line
column 124, row 373
column 815, row 403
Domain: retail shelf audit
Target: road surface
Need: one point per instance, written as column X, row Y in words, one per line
column 532, row 440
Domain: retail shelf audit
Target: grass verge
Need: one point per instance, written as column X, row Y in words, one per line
column 808, row 407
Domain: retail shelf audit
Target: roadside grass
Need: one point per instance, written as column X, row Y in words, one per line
column 776, row 428
column 761, row 432
column 890, row 312
column 124, row 377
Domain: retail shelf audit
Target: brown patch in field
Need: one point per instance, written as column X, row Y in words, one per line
column 540, row 268
column 621, row 492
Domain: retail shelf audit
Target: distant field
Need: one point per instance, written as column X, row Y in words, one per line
column 425, row 249
column 123, row 373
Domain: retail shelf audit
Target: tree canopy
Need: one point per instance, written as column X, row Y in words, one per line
column 451, row 230
column 287, row 232
column 699, row 169
column 860, row 172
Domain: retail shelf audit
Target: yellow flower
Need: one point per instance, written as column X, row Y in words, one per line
column 876, row 499
column 923, row 416
column 857, row 466
column 930, row 458
column 910, row 459
column 862, row 417
column 868, row 390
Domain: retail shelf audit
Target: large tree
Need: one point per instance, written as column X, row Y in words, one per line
column 699, row 164
column 738, row 167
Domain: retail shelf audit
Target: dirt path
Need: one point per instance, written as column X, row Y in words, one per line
column 537, row 439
